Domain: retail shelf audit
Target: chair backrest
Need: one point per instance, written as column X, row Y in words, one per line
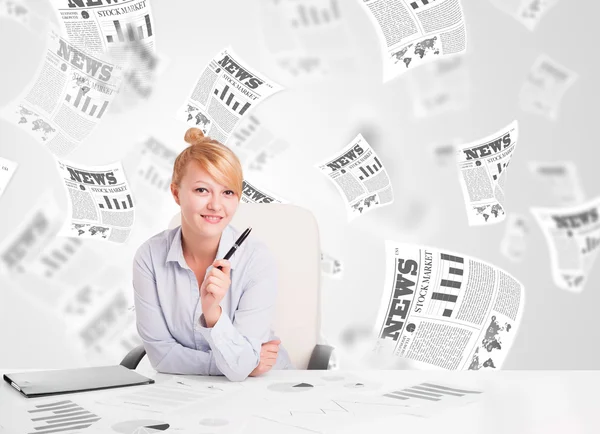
column 292, row 235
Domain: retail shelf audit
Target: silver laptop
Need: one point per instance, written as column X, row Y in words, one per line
column 46, row 383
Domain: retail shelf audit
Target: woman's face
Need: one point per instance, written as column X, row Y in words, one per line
column 207, row 207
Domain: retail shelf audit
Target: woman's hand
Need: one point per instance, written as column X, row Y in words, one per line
column 213, row 289
column 268, row 357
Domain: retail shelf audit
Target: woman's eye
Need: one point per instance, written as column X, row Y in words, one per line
column 199, row 190
column 229, row 192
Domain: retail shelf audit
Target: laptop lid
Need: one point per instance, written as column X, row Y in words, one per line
column 45, row 383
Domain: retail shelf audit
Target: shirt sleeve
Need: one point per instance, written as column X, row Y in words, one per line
column 236, row 345
column 164, row 352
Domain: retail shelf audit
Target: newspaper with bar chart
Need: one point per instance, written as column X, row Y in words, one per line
column 100, row 205
column 414, row 32
column 225, row 91
column 446, row 309
column 360, row 177
column 102, row 26
column 573, row 237
column 69, row 97
column 483, row 165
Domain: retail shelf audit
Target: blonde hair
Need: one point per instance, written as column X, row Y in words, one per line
column 215, row 158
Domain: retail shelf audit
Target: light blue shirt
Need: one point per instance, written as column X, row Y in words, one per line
column 169, row 312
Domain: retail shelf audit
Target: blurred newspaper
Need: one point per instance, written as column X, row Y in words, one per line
column 445, row 309
column 37, row 228
column 440, row 87
column 65, row 260
column 331, row 266
column 98, row 309
column 413, row 32
column 527, row 12
column 514, row 242
column 150, row 165
column 141, row 68
column 360, row 177
column 444, row 154
column 545, row 87
column 21, row 12
column 100, row 204
column 98, row 26
column 124, row 31
column 254, row 143
column 573, row 237
column 68, row 99
column 267, row 153
column 224, row 92
column 483, row 165
column 16, row 10
column 252, row 194
column 562, row 178
column 306, row 38
column 7, row 170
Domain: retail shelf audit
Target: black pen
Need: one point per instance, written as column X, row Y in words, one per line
column 236, row 245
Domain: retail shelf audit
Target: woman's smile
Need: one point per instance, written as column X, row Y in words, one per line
column 212, row 219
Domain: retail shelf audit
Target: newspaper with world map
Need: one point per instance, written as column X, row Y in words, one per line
column 414, row 32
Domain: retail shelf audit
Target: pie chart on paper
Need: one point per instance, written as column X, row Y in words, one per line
column 142, row 426
column 362, row 386
column 290, row 387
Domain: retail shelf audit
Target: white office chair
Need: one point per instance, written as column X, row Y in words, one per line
column 292, row 235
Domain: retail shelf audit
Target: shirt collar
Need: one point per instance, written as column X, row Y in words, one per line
column 175, row 253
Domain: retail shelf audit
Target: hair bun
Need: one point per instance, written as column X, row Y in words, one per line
column 194, row 135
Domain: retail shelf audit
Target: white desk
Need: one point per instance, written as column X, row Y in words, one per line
column 520, row 402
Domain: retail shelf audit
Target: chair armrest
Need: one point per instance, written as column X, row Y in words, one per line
column 133, row 357
column 319, row 359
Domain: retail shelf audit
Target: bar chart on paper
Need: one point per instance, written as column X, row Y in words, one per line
column 56, row 256
column 245, row 130
column 370, row 170
column 591, row 244
column 251, row 135
column 153, row 175
column 430, row 392
column 313, row 15
column 500, row 168
column 444, row 298
column 136, row 30
column 86, row 104
column 116, row 203
column 228, row 98
column 60, row 416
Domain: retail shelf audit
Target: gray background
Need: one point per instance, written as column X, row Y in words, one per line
column 558, row 330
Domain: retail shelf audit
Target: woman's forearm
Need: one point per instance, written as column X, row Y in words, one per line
column 235, row 355
column 174, row 358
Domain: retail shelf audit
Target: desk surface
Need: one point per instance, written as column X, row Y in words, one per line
column 321, row 402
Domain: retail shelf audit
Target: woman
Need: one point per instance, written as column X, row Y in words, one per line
column 192, row 317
